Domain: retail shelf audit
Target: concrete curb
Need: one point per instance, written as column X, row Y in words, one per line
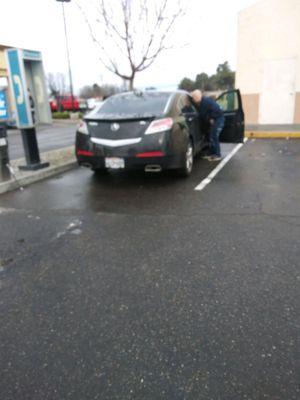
column 272, row 135
column 66, row 121
column 36, row 176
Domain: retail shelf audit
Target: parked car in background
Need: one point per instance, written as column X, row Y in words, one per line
column 64, row 103
column 151, row 131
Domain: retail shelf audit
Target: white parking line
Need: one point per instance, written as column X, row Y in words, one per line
column 218, row 168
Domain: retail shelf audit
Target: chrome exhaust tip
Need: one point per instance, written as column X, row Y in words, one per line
column 153, row 168
column 85, row 164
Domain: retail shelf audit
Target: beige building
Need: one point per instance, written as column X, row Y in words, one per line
column 268, row 65
column 4, row 72
column 3, row 67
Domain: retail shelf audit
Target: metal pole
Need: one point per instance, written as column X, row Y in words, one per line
column 31, row 149
column 68, row 56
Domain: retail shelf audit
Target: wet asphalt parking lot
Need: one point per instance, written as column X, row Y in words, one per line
column 133, row 286
column 50, row 137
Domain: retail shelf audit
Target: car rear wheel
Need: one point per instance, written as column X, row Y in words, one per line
column 188, row 161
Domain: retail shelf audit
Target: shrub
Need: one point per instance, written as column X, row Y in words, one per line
column 61, row 115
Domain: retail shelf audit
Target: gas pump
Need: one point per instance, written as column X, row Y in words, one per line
column 28, row 89
column 4, row 156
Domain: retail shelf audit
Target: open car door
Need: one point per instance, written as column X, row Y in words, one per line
column 234, row 128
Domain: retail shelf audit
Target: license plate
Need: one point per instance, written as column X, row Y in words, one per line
column 114, row 162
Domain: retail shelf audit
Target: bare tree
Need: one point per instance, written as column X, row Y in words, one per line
column 57, row 83
column 57, row 86
column 130, row 34
column 86, row 92
column 89, row 91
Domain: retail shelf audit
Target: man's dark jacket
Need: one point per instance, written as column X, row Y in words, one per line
column 209, row 109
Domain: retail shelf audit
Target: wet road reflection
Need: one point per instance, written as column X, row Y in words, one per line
column 128, row 192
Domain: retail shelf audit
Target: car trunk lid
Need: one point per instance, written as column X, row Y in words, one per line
column 118, row 129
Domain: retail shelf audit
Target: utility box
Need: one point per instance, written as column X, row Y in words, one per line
column 28, row 87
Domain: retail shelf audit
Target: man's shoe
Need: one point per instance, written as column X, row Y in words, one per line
column 214, row 158
column 206, row 157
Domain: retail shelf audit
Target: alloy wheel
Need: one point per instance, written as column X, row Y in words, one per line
column 189, row 158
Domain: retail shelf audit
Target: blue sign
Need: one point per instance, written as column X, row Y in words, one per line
column 19, row 89
column 3, row 106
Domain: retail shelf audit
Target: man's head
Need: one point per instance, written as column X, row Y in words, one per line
column 197, row 96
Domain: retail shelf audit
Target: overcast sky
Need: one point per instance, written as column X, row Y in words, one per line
column 210, row 28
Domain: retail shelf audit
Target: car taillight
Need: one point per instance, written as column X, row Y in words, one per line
column 82, row 128
column 149, row 154
column 84, row 153
column 159, row 125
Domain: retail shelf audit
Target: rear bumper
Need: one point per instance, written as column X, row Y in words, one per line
column 132, row 163
column 93, row 155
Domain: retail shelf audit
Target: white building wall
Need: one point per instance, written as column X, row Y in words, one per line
column 267, row 31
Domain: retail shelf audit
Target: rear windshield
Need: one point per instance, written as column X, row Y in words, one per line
column 132, row 105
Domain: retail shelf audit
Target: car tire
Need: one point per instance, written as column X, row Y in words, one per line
column 188, row 161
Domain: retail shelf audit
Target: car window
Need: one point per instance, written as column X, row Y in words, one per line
column 184, row 105
column 133, row 105
column 229, row 101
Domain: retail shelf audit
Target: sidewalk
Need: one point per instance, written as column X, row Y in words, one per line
column 42, row 127
column 60, row 161
column 273, row 131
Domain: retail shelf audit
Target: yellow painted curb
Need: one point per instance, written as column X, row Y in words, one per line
column 270, row 135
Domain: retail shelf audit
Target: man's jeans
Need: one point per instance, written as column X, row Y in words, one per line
column 215, row 131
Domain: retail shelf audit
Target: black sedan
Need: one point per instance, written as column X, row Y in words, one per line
column 151, row 131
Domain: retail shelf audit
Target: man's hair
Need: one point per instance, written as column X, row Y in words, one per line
column 196, row 92
column 196, row 95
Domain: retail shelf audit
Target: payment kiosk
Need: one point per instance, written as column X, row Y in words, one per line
column 30, row 100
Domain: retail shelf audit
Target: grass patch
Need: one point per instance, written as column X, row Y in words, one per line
column 61, row 115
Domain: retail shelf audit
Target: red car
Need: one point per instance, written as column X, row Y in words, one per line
column 66, row 104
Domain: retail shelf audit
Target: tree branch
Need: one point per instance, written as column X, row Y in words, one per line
column 136, row 30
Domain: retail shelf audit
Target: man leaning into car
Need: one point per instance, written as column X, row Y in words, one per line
column 211, row 114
